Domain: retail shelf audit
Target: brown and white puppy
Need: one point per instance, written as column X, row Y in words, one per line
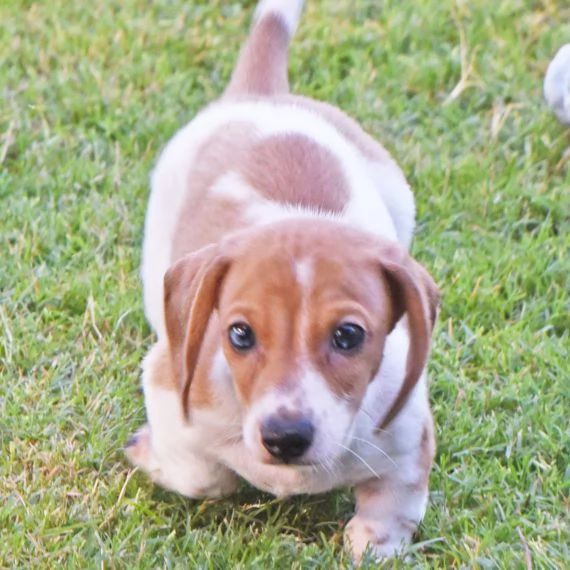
column 293, row 327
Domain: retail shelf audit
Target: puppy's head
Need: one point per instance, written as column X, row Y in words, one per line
column 303, row 311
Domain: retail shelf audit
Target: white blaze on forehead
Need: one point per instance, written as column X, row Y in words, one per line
column 311, row 397
column 304, row 273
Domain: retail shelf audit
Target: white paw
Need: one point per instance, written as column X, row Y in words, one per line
column 139, row 450
column 224, row 483
column 185, row 473
column 382, row 538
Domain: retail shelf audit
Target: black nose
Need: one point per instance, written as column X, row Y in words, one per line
column 287, row 438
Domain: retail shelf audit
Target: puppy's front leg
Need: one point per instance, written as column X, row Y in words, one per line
column 179, row 469
column 389, row 509
column 171, row 450
column 386, row 518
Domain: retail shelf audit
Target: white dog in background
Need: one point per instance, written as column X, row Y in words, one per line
column 557, row 84
column 293, row 327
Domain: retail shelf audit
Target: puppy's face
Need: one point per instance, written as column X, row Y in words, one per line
column 303, row 333
column 304, row 309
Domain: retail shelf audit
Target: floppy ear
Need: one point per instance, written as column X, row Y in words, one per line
column 191, row 289
column 414, row 293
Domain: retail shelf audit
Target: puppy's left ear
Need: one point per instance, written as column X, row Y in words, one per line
column 191, row 290
column 414, row 293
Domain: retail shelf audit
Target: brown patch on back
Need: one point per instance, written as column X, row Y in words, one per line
column 287, row 169
column 346, row 125
column 293, row 169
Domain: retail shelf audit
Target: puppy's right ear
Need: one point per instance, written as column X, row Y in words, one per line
column 191, row 290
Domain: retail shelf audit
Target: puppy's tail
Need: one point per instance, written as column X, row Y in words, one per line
column 262, row 65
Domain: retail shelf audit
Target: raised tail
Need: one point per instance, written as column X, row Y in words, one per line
column 261, row 68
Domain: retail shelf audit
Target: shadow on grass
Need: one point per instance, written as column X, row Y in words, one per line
column 307, row 517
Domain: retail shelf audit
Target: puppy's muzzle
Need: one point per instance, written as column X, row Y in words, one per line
column 287, row 439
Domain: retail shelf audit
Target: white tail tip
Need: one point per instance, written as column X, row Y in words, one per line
column 288, row 10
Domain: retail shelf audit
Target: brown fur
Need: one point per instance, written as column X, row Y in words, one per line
column 204, row 218
column 425, row 458
column 294, row 282
column 286, row 169
column 344, row 124
column 292, row 169
column 262, row 65
column 427, row 449
column 191, row 289
column 415, row 294
column 355, row 275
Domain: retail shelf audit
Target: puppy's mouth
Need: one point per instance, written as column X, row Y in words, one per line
column 291, row 463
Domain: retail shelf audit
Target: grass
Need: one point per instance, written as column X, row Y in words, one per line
column 91, row 91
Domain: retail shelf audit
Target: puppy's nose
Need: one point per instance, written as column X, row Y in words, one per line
column 287, row 438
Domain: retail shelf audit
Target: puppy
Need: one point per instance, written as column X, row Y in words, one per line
column 293, row 327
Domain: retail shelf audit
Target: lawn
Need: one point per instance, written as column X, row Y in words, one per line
column 90, row 93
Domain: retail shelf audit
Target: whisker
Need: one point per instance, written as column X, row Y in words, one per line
column 233, row 424
column 324, row 466
column 369, row 415
column 366, row 413
column 360, row 459
column 377, row 448
column 327, row 465
column 230, row 437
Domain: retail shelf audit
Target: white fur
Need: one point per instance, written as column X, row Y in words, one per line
column 203, row 457
column 557, row 84
column 190, row 457
column 232, row 186
column 330, row 415
column 304, row 273
column 177, row 458
column 397, row 196
column 288, row 10
column 380, row 201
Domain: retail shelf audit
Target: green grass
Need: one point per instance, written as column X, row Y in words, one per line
column 90, row 93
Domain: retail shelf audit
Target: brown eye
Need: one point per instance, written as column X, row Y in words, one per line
column 348, row 337
column 241, row 337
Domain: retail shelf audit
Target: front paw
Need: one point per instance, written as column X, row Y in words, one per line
column 139, row 450
column 382, row 538
column 177, row 469
column 224, row 483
